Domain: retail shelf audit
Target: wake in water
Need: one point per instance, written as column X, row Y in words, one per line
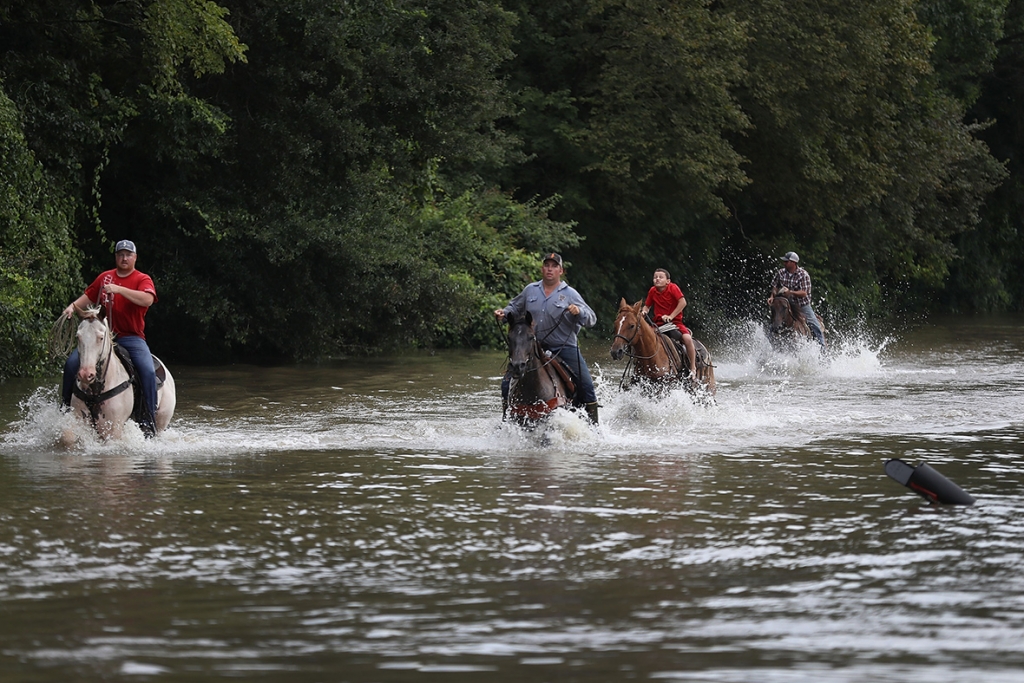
column 764, row 399
column 45, row 425
column 748, row 352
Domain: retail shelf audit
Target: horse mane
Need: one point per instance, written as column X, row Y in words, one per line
column 525, row 319
column 794, row 310
column 91, row 312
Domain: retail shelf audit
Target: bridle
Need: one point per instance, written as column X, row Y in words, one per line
column 629, row 341
column 537, row 350
column 788, row 319
column 537, row 360
column 632, row 355
column 96, row 396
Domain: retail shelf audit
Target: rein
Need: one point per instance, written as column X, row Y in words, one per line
column 539, row 360
column 633, row 356
column 96, row 396
column 629, row 343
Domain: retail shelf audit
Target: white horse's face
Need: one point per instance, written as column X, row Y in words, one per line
column 92, row 345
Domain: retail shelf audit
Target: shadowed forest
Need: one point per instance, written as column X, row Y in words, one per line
column 307, row 179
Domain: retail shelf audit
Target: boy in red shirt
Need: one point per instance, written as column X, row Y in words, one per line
column 668, row 302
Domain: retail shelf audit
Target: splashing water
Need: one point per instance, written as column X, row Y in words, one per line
column 462, row 413
column 376, row 520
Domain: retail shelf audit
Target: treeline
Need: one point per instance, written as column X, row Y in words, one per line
column 344, row 176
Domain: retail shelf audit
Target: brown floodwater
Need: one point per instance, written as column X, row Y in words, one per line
column 373, row 520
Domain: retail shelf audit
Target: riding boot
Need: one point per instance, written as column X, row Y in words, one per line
column 591, row 409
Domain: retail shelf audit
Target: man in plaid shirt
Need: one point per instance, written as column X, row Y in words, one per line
column 798, row 283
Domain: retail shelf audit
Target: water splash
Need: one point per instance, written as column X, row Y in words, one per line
column 747, row 352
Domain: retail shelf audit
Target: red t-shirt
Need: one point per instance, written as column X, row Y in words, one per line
column 664, row 303
column 124, row 317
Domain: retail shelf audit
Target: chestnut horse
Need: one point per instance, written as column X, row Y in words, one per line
column 103, row 392
column 654, row 357
column 539, row 384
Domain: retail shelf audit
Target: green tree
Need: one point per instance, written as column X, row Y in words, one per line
column 38, row 268
column 707, row 135
column 358, row 141
column 858, row 157
column 627, row 109
column 80, row 74
column 77, row 76
column 987, row 274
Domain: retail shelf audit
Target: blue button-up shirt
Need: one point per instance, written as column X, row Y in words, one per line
column 555, row 325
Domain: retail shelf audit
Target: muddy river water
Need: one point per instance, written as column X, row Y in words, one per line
column 373, row 520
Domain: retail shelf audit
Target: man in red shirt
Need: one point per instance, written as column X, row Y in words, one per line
column 126, row 294
column 668, row 302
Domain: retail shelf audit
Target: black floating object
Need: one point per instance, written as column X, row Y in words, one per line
column 928, row 483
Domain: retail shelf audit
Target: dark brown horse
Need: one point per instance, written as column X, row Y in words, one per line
column 654, row 357
column 539, row 384
column 788, row 322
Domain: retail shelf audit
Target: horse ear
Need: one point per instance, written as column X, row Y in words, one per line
column 622, row 303
column 510, row 319
column 528, row 318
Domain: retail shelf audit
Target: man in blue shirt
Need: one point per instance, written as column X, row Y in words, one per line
column 558, row 313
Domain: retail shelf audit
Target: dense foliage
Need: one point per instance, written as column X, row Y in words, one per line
column 341, row 176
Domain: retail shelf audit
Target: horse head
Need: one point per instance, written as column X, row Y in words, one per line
column 787, row 317
column 782, row 314
column 94, row 346
column 627, row 326
column 522, row 341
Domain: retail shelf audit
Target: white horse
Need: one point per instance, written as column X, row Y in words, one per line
column 103, row 392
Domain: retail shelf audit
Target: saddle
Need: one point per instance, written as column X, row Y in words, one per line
column 677, row 351
column 556, row 366
column 139, row 406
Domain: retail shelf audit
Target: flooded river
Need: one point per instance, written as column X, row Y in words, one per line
column 374, row 521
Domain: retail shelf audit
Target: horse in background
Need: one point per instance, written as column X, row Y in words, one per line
column 104, row 388
column 788, row 323
column 539, row 385
column 653, row 356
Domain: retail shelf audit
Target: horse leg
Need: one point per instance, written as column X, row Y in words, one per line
column 167, row 399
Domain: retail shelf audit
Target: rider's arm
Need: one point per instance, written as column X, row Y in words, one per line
column 803, row 281
column 78, row 304
column 680, row 305
column 586, row 315
column 517, row 305
column 139, row 298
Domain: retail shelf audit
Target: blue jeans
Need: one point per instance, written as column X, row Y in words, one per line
column 578, row 369
column 142, row 359
column 813, row 324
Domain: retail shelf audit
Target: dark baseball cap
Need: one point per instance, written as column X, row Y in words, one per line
column 552, row 256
